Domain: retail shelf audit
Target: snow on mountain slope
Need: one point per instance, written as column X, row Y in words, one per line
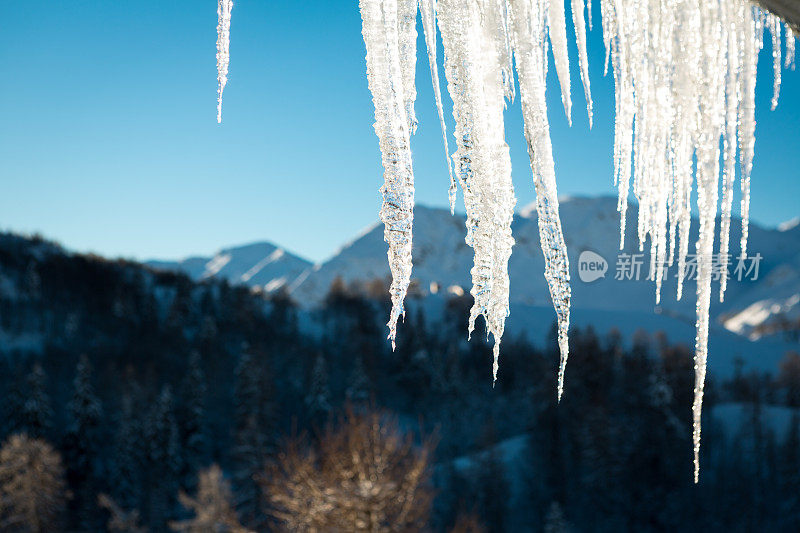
column 260, row 264
column 442, row 258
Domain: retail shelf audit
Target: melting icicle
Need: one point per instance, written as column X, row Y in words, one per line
column 774, row 24
column 428, row 10
column 684, row 76
column 583, row 60
column 224, row 8
column 528, row 31
column 407, row 38
column 790, row 43
column 386, row 31
column 558, row 39
column 476, row 61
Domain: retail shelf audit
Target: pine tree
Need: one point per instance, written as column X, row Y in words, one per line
column 31, row 485
column 161, row 432
column 318, row 400
column 37, row 414
column 249, row 436
column 193, row 431
column 129, row 456
column 81, row 447
column 212, row 507
column 555, row 522
column 492, row 491
column 358, row 388
column 14, row 404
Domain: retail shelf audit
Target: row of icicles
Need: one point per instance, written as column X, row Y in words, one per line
column 684, row 77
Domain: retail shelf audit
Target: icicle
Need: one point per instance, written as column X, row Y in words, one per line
column 732, row 98
column 528, row 29
column 558, row 40
column 589, row 13
column 476, row 57
column 224, row 8
column 583, row 60
column 407, row 36
column 774, row 24
column 750, row 46
column 428, row 10
column 790, row 44
column 385, row 33
column 684, row 76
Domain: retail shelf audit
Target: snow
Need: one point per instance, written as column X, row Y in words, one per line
column 224, row 8
column 761, row 313
column 789, row 224
column 260, row 264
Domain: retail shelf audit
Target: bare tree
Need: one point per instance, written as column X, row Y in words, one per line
column 32, row 493
column 212, row 507
column 364, row 475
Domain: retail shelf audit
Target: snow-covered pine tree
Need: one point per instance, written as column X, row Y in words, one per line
column 318, row 399
column 81, row 445
column 32, row 486
column 555, row 522
column 161, row 432
column 212, row 507
column 249, row 441
column 37, row 414
column 14, row 403
column 129, row 454
column 359, row 387
column 192, row 421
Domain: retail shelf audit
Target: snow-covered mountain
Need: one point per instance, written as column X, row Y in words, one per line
column 442, row 260
column 260, row 264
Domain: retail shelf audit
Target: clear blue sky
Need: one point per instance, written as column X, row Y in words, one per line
column 109, row 143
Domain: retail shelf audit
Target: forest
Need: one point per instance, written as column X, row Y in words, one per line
column 138, row 400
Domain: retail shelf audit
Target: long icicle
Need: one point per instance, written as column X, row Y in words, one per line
column 684, row 76
column 428, row 11
column 384, row 34
column 224, row 8
column 476, row 56
column 528, row 30
column 557, row 25
column 583, row 58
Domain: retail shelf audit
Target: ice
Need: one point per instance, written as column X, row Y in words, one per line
column 476, row 66
column 224, row 8
column 558, row 39
column 428, row 10
column 684, row 76
column 583, row 60
column 774, row 24
column 385, row 30
column 684, row 85
column 528, row 37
